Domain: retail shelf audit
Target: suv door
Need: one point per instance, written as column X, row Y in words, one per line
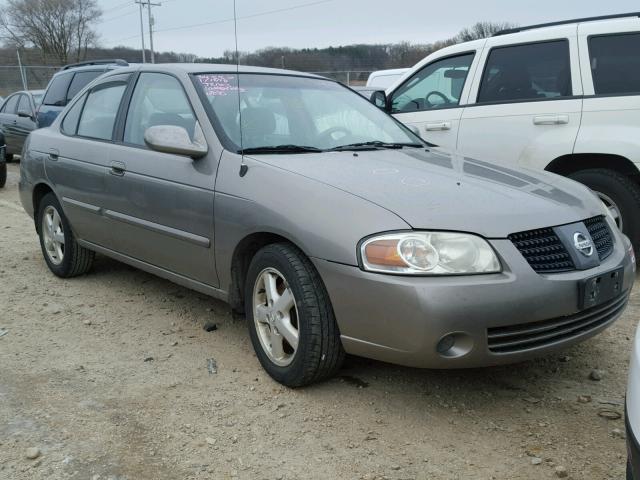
column 78, row 162
column 526, row 105
column 160, row 205
column 431, row 98
column 8, row 121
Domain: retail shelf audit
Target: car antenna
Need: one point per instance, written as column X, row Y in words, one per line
column 243, row 166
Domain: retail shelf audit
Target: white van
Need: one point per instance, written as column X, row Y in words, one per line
column 385, row 78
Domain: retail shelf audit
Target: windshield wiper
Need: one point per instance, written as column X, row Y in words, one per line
column 281, row 149
column 375, row 145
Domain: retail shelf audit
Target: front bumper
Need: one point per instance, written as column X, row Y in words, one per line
column 402, row 319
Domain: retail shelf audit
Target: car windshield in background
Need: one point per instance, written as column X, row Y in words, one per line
column 282, row 114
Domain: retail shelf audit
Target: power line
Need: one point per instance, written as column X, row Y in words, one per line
column 117, row 7
column 149, row 4
column 228, row 20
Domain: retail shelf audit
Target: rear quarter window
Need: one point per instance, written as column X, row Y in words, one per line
column 615, row 63
column 57, row 92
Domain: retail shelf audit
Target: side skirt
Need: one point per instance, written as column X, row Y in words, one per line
column 160, row 272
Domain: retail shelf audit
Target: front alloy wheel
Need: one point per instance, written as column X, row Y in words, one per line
column 290, row 318
column 276, row 317
column 53, row 235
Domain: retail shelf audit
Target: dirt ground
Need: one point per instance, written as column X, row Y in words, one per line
column 109, row 377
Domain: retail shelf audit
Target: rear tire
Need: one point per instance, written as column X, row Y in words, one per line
column 3, row 173
column 318, row 353
column 64, row 257
column 620, row 189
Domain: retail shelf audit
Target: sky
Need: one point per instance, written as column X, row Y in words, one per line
column 206, row 28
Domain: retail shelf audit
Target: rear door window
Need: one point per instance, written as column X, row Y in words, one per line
column 615, row 63
column 57, row 92
column 100, row 111
column 81, row 80
column 535, row 71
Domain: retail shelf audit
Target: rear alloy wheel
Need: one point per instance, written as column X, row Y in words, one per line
column 291, row 322
column 64, row 257
column 620, row 195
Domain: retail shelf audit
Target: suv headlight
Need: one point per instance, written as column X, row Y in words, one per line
column 428, row 253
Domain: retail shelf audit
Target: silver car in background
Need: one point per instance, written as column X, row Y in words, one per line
column 329, row 224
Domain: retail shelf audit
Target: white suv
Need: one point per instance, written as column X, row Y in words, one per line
column 563, row 97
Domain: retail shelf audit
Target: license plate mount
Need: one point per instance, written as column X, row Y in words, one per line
column 601, row 288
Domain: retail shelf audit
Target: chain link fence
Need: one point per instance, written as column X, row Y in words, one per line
column 36, row 77
column 33, row 77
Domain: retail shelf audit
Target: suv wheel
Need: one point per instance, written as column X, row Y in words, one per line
column 620, row 194
column 291, row 321
column 64, row 257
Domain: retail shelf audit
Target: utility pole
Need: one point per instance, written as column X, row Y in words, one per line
column 144, row 56
column 149, row 4
column 22, row 73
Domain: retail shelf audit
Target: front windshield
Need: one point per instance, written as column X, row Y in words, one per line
column 288, row 111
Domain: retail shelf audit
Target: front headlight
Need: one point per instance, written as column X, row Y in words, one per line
column 428, row 253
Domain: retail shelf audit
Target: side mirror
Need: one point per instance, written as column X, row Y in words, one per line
column 379, row 99
column 175, row 139
column 25, row 114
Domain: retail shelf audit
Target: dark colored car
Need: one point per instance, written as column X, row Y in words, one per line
column 3, row 163
column 17, row 119
column 66, row 83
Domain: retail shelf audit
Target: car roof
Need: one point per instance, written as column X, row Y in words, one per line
column 189, row 68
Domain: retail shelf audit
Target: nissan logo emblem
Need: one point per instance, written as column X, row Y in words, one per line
column 583, row 244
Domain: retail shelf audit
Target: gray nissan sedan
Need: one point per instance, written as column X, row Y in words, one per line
column 329, row 224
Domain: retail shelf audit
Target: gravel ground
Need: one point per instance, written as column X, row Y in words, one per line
column 109, row 376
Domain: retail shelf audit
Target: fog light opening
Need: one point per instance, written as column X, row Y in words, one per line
column 454, row 345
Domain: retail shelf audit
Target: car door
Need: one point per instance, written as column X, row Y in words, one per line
column 610, row 62
column 525, row 107
column 24, row 120
column 160, row 205
column 8, row 121
column 430, row 100
column 78, row 160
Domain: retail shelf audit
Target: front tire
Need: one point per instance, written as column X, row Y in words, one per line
column 620, row 194
column 64, row 257
column 291, row 322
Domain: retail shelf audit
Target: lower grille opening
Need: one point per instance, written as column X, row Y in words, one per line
column 529, row 336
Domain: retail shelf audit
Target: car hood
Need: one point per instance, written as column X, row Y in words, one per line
column 437, row 190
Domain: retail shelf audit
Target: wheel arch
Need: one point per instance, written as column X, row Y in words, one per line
column 567, row 164
column 243, row 253
column 39, row 191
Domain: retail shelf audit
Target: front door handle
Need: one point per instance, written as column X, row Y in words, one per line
column 551, row 120
column 118, row 169
column 54, row 153
column 432, row 127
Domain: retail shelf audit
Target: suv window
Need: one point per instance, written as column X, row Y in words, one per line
column 100, row 111
column 80, row 80
column 615, row 63
column 11, row 104
column 57, row 92
column 158, row 99
column 527, row 72
column 437, row 85
column 24, row 105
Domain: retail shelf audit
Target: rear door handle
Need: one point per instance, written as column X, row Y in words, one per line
column 54, row 153
column 551, row 120
column 118, row 169
column 432, row 127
